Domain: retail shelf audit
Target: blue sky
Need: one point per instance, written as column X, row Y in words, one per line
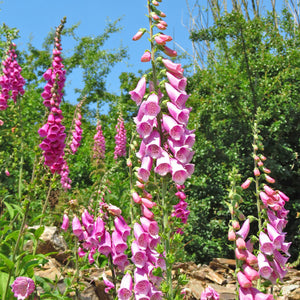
column 35, row 18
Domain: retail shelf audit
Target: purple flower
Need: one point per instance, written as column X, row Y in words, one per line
column 109, row 284
column 138, row 93
column 142, row 284
column 65, row 224
column 125, row 290
column 265, row 269
column 120, row 138
column 22, row 287
column 209, row 294
column 99, row 144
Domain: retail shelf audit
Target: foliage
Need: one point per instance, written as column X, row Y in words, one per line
column 253, row 64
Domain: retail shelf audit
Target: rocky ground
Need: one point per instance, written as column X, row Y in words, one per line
column 218, row 274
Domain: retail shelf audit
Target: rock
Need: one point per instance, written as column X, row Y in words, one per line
column 222, row 263
column 214, row 276
column 49, row 270
column 289, row 288
column 294, row 295
column 195, row 288
column 226, row 293
column 51, row 241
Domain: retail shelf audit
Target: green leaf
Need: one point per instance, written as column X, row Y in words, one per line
column 19, row 209
column 3, row 282
column 10, row 210
column 12, row 235
column 7, row 261
column 39, row 232
column 157, row 272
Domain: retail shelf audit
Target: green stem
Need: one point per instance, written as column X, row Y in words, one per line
column 46, row 201
column 113, row 276
column 258, row 204
column 166, row 234
column 76, row 270
column 22, row 151
column 16, row 249
column 131, row 183
column 20, row 186
column 152, row 48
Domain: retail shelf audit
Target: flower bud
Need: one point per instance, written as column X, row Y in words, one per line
column 139, row 34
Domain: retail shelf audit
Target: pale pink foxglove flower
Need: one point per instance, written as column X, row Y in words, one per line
column 105, row 246
column 147, row 212
column 23, row 287
column 179, row 173
column 155, row 294
column 76, row 226
column 152, row 145
column 122, row 227
column 246, row 184
column 114, row 210
column 142, row 284
column 138, row 93
column 146, row 56
column 174, row 68
column 138, row 35
column 258, row 295
column 145, row 126
column 251, row 259
column 240, row 243
column 276, row 237
column 65, row 224
column 141, row 236
column 145, row 169
column 244, row 282
column 174, row 129
column 167, row 50
column 163, row 164
column 139, row 257
column 243, row 232
column 231, row 235
column 245, row 294
column 256, row 172
column 266, row 245
column 148, row 203
column 264, row 267
column 150, row 226
column 269, row 179
column 177, row 83
column 250, row 272
column 180, row 115
column 177, row 97
column 120, row 260
column 117, row 242
column 236, row 225
column 125, row 290
column 151, row 105
column 161, row 26
column 136, row 198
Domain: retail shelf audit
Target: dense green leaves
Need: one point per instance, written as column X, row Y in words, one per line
column 254, row 64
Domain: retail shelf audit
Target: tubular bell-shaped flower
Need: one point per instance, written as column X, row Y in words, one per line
column 120, row 139
column 11, row 82
column 53, row 145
